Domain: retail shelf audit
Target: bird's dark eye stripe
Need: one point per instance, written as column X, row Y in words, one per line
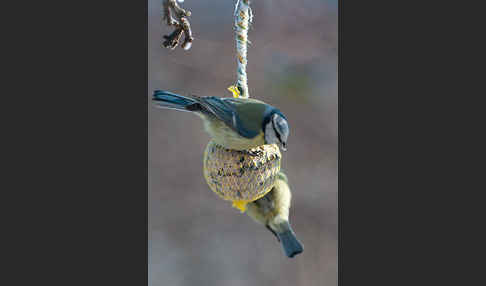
column 278, row 136
column 276, row 132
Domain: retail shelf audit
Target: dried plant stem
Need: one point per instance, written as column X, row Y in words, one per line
column 171, row 8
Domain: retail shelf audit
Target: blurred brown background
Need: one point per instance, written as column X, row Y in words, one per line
column 195, row 238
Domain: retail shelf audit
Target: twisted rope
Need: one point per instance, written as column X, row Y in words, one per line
column 243, row 18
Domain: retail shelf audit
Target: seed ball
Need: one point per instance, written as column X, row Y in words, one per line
column 241, row 176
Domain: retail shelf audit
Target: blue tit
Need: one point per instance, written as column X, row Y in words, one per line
column 234, row 123
column 272, row 211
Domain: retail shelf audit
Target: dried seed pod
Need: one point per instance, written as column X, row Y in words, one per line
column 241, row 176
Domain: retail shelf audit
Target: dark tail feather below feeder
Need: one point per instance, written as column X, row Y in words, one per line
column 290, row 244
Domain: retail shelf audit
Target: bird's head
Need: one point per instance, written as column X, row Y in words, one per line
column 276, row 129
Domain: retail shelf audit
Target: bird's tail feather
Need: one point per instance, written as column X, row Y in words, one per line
column 166, row 99
column 290, row 244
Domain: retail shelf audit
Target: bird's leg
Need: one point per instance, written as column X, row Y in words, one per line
column 181, row 24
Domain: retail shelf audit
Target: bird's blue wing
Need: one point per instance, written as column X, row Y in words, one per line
column 226, row 112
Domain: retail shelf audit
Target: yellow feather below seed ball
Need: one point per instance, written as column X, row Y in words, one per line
column 241, row 176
